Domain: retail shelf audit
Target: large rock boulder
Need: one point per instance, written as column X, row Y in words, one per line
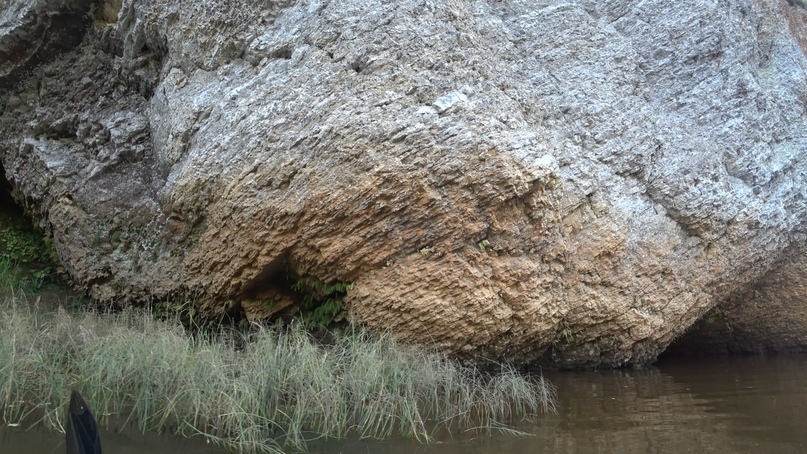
column 575, row 182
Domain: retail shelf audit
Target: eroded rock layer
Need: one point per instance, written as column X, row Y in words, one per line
column 574, row 182
column 769, row 316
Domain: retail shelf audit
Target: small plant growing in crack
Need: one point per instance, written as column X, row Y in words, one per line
column 427, row 251
column 321, row 302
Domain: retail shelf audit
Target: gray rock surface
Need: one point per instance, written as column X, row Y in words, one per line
column 576, row 182
column 33, row 32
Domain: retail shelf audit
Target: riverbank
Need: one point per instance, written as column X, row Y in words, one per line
column 268, row 390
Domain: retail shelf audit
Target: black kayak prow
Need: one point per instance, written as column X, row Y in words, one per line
column 81, row 435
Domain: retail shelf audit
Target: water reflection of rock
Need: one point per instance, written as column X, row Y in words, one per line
column 680, row 407
column 764, row 396
column 627, row 411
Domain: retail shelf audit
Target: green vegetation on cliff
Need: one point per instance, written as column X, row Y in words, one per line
column 25, row 257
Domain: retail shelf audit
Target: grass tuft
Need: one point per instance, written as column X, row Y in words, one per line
column 275, row 389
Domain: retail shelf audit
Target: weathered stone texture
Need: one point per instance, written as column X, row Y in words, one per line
column 33, row 32
column 769, row 316
column 576, row 181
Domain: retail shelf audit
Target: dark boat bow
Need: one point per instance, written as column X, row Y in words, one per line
column 82, row 435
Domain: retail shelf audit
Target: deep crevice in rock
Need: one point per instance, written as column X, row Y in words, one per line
column 7, row 201
column 283, row 53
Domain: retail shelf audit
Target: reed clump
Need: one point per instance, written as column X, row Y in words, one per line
column 273, row 389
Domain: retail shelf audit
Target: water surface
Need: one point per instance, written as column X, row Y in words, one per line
column 40, row 441
column 713, row 405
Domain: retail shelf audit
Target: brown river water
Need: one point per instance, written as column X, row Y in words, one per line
column 713, row 405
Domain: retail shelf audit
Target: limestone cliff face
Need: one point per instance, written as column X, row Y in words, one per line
column 576, row 181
